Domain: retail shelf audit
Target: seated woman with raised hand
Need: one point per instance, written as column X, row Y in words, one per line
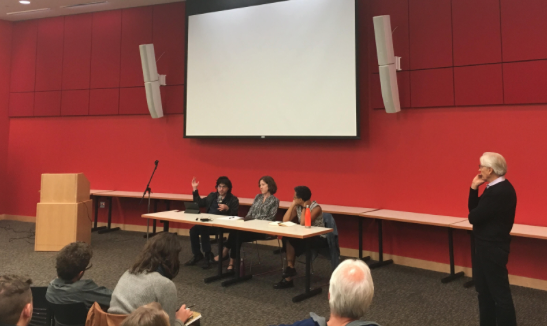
column 264, row 207
column 295, row 247
column 150, row 280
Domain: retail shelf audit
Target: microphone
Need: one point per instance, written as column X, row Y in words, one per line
column 156, row 162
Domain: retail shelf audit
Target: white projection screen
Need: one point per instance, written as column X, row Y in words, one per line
column 283, row 69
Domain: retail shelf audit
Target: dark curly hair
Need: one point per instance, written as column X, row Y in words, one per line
column 303, row 192
column 272, row 186
column 73, row 259
column 15, row 294
column 161, row 251
column 225, row 181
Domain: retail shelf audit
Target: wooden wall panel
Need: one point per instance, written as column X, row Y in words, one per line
column 432, row 88
column 136, row 30
column 105, row 49
column 75, row 102
column 430, row 26
column 49, row 54
column 478, row 85
column 477, row 33
column 169, row 34
column 23, row 56
column 77, row 51
column 47, row 104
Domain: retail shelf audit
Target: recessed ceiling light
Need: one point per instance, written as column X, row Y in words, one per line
column 85, row 4
column 26, row 11
column 24, row 2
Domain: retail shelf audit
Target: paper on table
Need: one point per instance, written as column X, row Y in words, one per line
column 235, row 218
column 283, row 223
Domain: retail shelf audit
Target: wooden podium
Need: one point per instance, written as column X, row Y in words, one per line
column 64, row 213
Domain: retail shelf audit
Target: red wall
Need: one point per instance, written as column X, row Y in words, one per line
column 420, row 160
column 465, row 52
column 5, row 64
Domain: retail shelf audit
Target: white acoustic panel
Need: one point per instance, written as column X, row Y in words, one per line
column 153, row 99
column 390, row 90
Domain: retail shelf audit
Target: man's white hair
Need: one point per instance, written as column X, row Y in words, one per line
column 351, row 289
column 494, row 161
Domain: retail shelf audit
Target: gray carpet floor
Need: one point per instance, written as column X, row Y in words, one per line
column 403, row 295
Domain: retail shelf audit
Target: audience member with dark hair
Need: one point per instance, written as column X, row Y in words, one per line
column 220, row 202
column 15, row 300
column 350, row 294
column 150, row 280
column 71, row 263
column 151, row 314
column 295, row 247
column 264, row 207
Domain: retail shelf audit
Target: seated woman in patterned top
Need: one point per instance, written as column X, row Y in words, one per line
column 264, row 207
column 295, row 247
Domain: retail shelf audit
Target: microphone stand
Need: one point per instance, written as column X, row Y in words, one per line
column 149, row 191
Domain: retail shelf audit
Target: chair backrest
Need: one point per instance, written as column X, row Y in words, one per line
column 97, row 317
column 41, row 315
column 71, row 314
column 333, row 251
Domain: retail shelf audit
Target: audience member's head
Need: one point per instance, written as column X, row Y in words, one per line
column 351, row 289
column 224, row 182
column 151, row 314
column 270, row 183
column 73, row 261
column 15, row 300
column 160, row 254
column 302, row 192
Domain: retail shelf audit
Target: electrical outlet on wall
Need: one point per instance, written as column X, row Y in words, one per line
column 102, row 204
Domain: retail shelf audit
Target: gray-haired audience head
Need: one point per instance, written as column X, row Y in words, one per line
column 494, row 161
column 351, row 289
column 151, row 314
column 15, row 300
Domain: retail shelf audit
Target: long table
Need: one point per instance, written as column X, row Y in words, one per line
column 416, row 218
column 518, row 230
column 258, row 226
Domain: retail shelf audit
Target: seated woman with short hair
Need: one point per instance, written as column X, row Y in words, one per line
column 150, row 280
column 264, row 207
column 295, row 247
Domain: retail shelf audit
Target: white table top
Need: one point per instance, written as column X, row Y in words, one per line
column 519, row 230
column 258, row 226
column 417, row 218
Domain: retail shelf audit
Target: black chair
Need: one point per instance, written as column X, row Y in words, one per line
column 71, row 314
column 41, row 315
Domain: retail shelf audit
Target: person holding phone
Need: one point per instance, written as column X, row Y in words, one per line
column 264, row 207
column 492, row 215
column 219, row 202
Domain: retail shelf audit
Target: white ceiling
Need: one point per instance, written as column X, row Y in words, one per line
column 7, row 6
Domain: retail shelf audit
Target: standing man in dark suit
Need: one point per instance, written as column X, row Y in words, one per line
column 492, row 216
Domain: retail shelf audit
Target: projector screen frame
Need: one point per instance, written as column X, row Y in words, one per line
column 196, row 7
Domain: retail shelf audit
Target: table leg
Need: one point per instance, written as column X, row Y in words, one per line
column 237, row 264
column 109, row 228
column 219, row 275
column 308, row 292
column 150, row 235
column 95, row 227
column 453, row 275
column 381, row 262
column 166, row 223
column 471, row 283
column 367, row 258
